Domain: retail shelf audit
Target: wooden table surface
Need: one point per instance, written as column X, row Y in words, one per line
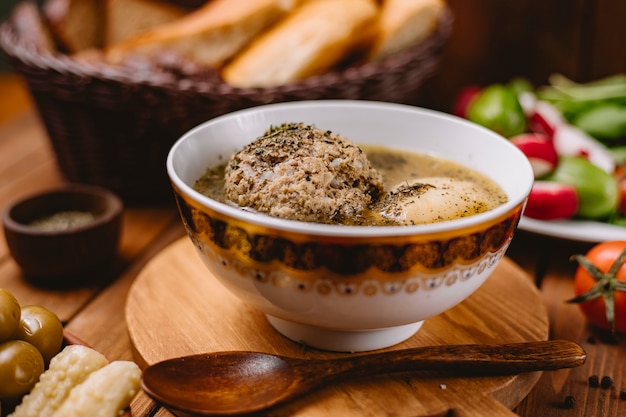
column 95, row 313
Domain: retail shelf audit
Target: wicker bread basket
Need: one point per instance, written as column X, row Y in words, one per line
column 113, row 127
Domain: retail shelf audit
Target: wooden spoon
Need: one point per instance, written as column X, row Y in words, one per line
column 227, row 383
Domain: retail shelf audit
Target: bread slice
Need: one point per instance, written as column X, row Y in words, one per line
column 311, row 40
column 76, row 24
column 210, row 35
column 405, row 23
column 125, row 19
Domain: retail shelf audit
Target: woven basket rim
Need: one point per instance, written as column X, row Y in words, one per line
column 28, row 54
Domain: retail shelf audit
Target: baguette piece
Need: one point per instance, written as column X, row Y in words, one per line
column 405, row 23
column 125, row 19
column 210, row 35
column 76, row 24
column 311, row 40
column 105, row 393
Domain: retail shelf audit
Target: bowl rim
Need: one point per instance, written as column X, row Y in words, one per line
column 114, row 208
column 319, row 229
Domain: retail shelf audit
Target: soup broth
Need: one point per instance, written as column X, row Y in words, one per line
column 410, row 179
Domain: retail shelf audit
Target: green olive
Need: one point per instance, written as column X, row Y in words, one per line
column 21, row 365
column 9, row 315
column 41, row 328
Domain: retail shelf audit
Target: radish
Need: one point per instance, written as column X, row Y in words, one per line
column 550, row 200
column 544, row 118
column 528, row 101
column 571, row 141
column 539, row 150
column 464, row 99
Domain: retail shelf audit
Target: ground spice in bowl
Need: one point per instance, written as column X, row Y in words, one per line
column 65, row 236
column 63, row 220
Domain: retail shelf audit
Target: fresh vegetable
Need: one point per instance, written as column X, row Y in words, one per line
column 600, row 285
column 540, row 151
column 597, row 190
column 21, row 365
column 619, row 156
column 606, row 122
column 584, row 124
column 551, row 201
column 463, row 100
column 67, row 369
column 568, row 140
column 41, row 328
column 544, row 118
column 496, row 107
column 571, row 141
column 573, row 99
column 520, row 86
column 10, row 311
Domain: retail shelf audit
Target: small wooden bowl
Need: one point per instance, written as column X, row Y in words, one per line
column 59, row 235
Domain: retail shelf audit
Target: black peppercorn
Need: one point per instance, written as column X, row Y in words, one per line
column 606, row 382
column 594, row 381
column 622, row 394
column 569, row 402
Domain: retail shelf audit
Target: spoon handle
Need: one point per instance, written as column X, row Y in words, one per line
column 500, row 359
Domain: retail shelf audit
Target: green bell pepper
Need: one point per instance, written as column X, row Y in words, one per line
column 497, row 108
column 521, row 85
column 605, row 122
column 598, row 190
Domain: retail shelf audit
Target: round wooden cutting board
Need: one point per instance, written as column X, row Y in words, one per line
column 176, row 307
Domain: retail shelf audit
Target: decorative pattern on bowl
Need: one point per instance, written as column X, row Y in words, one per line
column 260, row 254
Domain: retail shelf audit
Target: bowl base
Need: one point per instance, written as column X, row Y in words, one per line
column 344, row 340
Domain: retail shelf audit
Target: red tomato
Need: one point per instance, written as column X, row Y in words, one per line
column 600, row 283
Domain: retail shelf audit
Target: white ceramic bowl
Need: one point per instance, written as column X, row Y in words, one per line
column 349, row 288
